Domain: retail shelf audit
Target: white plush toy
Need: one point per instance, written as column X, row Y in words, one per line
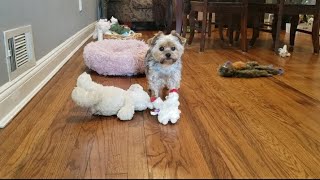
column 167, row 110
column 310, row 22
column 110, row 100
column 103, row 27
column 283, row 52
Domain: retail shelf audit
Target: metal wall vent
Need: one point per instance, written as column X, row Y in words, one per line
column 19, row 50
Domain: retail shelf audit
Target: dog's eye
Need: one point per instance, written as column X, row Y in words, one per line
column 173, row 48
column 161, row 48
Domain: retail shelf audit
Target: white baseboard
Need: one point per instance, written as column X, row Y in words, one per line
column 15, row 94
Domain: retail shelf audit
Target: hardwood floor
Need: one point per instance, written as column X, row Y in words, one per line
column 229, row 128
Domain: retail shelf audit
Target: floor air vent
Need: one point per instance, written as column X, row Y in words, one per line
column 19, row 50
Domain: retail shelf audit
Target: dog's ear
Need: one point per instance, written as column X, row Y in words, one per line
column 152, row 41
column 181, row 39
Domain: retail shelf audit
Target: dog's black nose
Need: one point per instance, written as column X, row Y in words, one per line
column 168, row 55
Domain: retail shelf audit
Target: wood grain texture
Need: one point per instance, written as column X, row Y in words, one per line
column 229, row 128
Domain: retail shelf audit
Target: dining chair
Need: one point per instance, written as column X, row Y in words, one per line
column 221, row 7
column 280, row 8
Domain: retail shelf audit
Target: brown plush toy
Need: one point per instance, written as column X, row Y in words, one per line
column 250, row 69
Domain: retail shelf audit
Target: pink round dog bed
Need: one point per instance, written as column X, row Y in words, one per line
column 116, row 57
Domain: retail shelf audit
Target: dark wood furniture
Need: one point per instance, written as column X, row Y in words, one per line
column 279, row 9
column 179, row 15
column 256, row 11
column 221, row 7
column 178, row 8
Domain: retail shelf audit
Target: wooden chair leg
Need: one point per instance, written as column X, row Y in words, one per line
column 278, row 29
column 203, row 30
column 274, row 28
column 220, row 25
column 230, row 34
column 237, row 35
column 256, row 30
column 218, row 21
column 315, row 33
column 209, row 24
column 227, row 32
column 169, row 16
column 293, row 29
column 237, row 26
column 179, row 15
column 244, row 23
column 185, row 25
column 230, row 29
column 192, row 26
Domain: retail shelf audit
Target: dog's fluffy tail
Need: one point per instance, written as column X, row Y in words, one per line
column 85, row 98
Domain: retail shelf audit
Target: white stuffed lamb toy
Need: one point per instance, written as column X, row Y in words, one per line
column 283, row 52
column 168, row 110
column 103, row 27
column 110, row 100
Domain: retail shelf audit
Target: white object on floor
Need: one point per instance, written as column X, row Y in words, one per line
column 110, row 100
column 310, row 22
column 167, row 110
column 283, row 52
column 103, row 27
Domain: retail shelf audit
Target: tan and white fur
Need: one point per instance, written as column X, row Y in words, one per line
column 163, row 63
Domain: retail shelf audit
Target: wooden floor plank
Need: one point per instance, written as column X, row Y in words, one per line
column 31, row 140
column 250, row 92
column 166, row 150
column 137, row 155
column 46, row 146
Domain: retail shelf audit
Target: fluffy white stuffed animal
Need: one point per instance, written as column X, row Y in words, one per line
column 310, row 21
column 167, row 110
column 103, row 27
column 110, row 100
column 283, row 52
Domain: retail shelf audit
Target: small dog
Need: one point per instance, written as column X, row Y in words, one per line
column 163, row 62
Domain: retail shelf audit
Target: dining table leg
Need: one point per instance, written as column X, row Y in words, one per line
column 278, row 27
column 179, row 12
